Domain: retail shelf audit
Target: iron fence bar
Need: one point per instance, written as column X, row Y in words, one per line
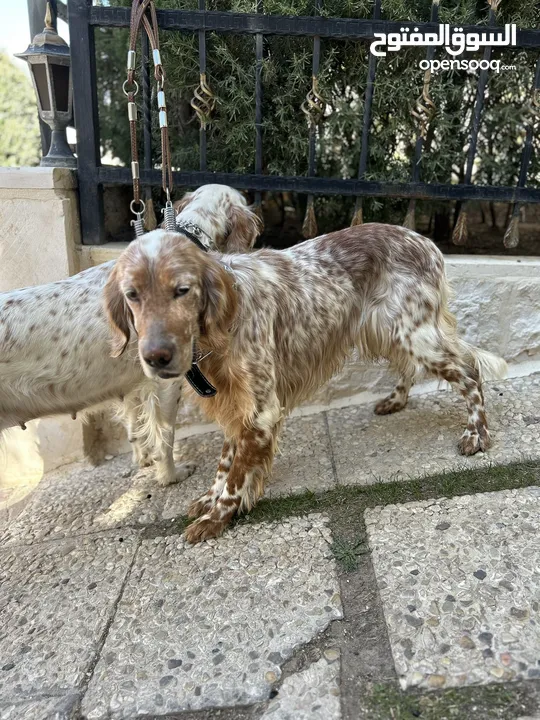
column 459, row 235
column 314, row 113
column 252, row 23
column 324, row 186
column 259, row 43
column 358, row 217
column 424, row 112
column 83, row 62
column 202, row 69
column 479, row 106
column 203, row 100
column 511, row 236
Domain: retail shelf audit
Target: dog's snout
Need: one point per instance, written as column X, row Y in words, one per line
column 158, row 357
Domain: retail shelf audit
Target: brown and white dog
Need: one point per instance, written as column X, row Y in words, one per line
column 275, row 325
column 55, row 354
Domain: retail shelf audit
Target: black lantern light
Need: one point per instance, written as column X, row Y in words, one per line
column 50, row 67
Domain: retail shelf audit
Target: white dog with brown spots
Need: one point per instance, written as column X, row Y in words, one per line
column 55, row 343
column 273, row 326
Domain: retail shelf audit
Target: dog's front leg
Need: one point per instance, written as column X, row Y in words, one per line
column 162, row 429
column 131, row 411
column 205, row 503
column 243, row 484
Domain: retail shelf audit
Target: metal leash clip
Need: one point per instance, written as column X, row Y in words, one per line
column 138, row 223
column 169, row 216
column 198, row 356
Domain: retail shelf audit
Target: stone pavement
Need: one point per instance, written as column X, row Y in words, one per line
column 459, row 580
column 106, row 613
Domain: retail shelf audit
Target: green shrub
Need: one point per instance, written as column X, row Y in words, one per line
column 19, row 127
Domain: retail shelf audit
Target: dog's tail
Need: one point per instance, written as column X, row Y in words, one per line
column 489, row 365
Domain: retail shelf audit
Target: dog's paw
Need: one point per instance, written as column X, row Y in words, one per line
column 389, row 404
column 179, row 474
column 205, row 528
column 184, row 470
column 472, row 442
column 143, row 461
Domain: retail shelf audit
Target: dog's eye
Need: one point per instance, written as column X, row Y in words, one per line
column 180, row 290
column 132, row 295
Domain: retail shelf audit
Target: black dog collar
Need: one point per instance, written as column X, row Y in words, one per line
column 198, row 381
column 202, row 386
column 195, row 234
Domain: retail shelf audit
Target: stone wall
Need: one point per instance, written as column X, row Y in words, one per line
column 39, row 224
column 39, row 243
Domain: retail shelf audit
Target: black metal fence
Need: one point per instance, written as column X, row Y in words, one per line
column 84, row 17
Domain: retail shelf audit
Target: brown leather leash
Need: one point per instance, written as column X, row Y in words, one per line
column 144, row 19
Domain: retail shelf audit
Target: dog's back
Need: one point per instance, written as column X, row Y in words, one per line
column 55, row 349
column 373, row 287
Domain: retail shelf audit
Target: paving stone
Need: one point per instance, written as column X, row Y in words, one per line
column 204, row 451
column 462, row 604
column 81, row 499
column 55, row 601
column 12, row 503
column 302, row 463
column 304, row 459
column 43, row 709
column 209, row 625
column 312, row 694
column 11, row 495
column 422, row 438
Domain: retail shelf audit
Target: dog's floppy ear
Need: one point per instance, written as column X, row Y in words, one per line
column 119, row 314
column 219, row 304
column 244, row 227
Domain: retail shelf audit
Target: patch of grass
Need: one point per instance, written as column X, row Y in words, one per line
column 483, row 702
column 355, row 498
column 346, row 504
column 277, row 508
column 347, row 552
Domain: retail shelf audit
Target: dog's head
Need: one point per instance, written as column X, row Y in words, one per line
column 223, row 214
column 169, row 293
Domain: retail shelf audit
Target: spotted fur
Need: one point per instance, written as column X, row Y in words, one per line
column 275, row 325
column 55, row 344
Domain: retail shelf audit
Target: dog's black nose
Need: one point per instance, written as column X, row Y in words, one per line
column 158, row 357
